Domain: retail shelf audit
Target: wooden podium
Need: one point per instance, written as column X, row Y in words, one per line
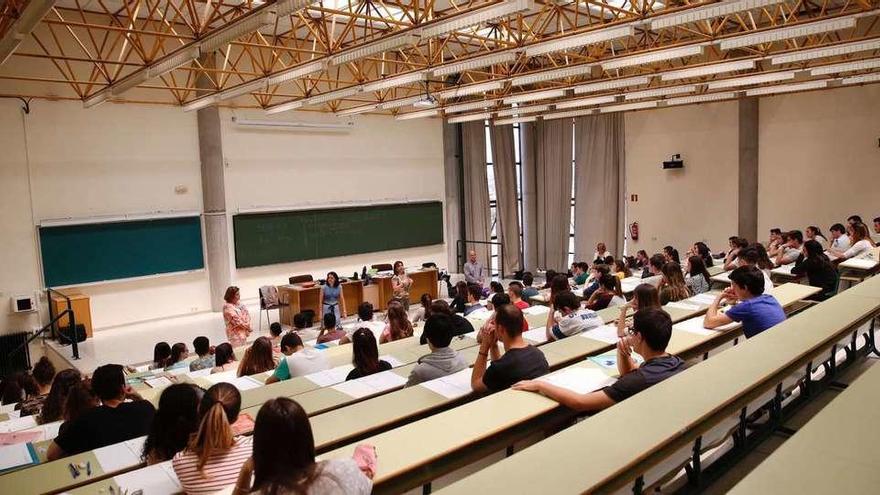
column 300, row 298
column 82, row 310
column 424, row 282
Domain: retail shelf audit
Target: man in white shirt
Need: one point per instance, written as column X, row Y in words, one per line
column 569, row 318
column 365, row 320
column 474, row 272
column 775, row 242
column 839, row 239
column 601, row 253
column 791, row 249
column 298, row 360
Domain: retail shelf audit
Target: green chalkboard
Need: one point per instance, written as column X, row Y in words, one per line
column 79, row 254
column 281, row 237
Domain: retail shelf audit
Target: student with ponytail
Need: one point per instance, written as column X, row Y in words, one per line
column 214, row 455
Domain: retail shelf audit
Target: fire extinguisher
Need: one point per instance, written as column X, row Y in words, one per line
column 634, row 231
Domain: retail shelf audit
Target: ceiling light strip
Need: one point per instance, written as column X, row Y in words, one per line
column 787, row 88
column 384, row 44
column 748, row 80
column 867, row 78
column 518, row 120
column 872, row 63
column 789, row 32
column 628, row 107
column 539, row 95
column 474, row 63
column 469, row 118
column 685, row 100
column 826, row 51
column 612, row 84
column 549, row 75
column 471, row 89
column 475, row 17
column 653, row 57
column 395, row 81
column 654, row 93
column 585, row 102
column 578, row 40
column 522, row 110
column 710, row 11
column 418, row 115
column 708, row 70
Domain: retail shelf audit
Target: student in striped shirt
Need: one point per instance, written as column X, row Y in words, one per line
column 214, row 456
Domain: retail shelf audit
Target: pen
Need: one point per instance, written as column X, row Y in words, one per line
column 89, row 468
column 73, row 471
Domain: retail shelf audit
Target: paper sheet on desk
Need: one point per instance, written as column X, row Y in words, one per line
column 722, row 277
column 13, row 456
column 536, row 310
column 783, row 270
column 861, row 263
column 7, row 408
column 159, row 382
column 158, row 479
column 119, row 456
column 695, row 325
column 604, row 333
column 245, row 383
column 223, row 376
column 683, row 305
column 579, row 380
column 393, row 361
column 370, row 385
column 202, row 373
column 704, row 299
column 330, row 377
column 452, row 386
column 536, row 335
column 18, row 424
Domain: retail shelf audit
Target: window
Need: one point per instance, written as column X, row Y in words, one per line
column 494, row 249
column 573, row 182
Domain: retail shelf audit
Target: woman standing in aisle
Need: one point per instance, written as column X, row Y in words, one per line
column 332, row 298
column 401, row 284
column 237, row 318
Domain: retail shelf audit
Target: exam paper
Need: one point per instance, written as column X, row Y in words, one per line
column 158, row 479
column 202, row 373
column 683, row 305
column 371, row 385
column 536, row 335
column 330, row 377
column 8, row 408
column 18, row 424
column 13, row 456
column 223, row 376
column 860, row 263
column 579, row 380
column 704, row 299
column 722, row 277
column 354, row 388
column 605, row 333
column 393, row 361
column 452, row 386
column 116, row 457
column 536, row 310
column 159, row 382
column 245, row 383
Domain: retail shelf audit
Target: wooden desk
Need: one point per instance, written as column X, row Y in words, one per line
column 835, row 452
column 424, row 282
column 298, row 299
column 82, row 310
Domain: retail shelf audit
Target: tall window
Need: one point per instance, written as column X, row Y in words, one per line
column 494, row 251
column 571, row 224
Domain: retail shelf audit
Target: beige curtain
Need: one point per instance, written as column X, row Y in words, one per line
column 476, row 189
column 506, row 211
column 599, row 184
column 530, row 206
column 552, row 159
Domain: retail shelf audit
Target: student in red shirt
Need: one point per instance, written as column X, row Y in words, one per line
column 515, row 291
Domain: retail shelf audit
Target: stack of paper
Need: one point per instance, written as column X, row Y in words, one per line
column 159, row 382
column 202, row 373
column 705, row 299
column 684, row 305
column 120, row 456
column 158, row 479
column 393, row 361
column 536, row 310
column 13, row 456
column 330, row 377
column 371, row 385
column 17, row 424
column 859, row 263
column 246, row 383
column 453, row 386
column 536, row 335
column 605, row 333
column 223, row 376
column 579, row 380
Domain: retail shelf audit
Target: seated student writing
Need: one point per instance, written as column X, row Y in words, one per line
column 642, row 262
column 443, row 360
column 757, row 311
column 569, row 319
column 520, row 361
column 179, row 355
column 258, row 358
column 365, row 355
column 43, row 374
column 672, row 286
column 596, row 272
column 460, row 324
column 608, row 294
column 62, row 384
column 528, row 291
column 330, row 331
column 655, row 270
column 423, row 312
column 205, row 359
column 298, row 360
column 284, row 463
column 114, row 421
column 398, row 326
column 475, row 292
column 790, row 249
column 175, row 420
column 515, row 292
column 698, row 279
column 818, row 268
column 644, row 296
column 652, row 329
column 839, row 239
column 365, row 320
column 495, row 287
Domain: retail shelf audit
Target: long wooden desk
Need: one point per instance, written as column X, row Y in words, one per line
column 424, row 282
column 692, row 402
column 835, row 452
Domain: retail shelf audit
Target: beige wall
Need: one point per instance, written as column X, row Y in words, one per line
column 819, row 158
column 696, row 203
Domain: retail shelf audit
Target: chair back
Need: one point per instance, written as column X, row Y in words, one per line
column 383, row 267
column 429, row 264
column 298, row 279
column 268, row 297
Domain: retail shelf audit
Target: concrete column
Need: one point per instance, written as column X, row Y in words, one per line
column 529, row 197
column 452, row 174
column 748, row 169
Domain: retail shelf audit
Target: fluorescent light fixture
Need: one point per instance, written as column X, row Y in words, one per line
column 357, row 110
column 748, row 80
column 395, row 81
column 549, row 75
column 297, row 72
column 474, row 63
column 173, row 61
column 203, row 102
column 826, row 51
column 239, row 27
column 522, row 110
column 345, row 126
column 652, row 57
column 570, row 114
column 418, row 115
column 540, row 95
column 28, row 18
column 789, row 32
column 585, row 102
column 872, row 63
column 708, row 70
column 867, row 78
column 518, row 120
column 242, row 89
column 384, row 44
column 627, row 107
column 611, row 84
column 685, row 100
column 334, row 95
column 284, row 107
column 469, row 118
column 579, row 40
column 400, row 102
column 787, row 88
column 128, row 82
column 464, row 107
column 475, row 17
column 471, row 89
column 710, row 11
column 96, row 99
column 654, row 93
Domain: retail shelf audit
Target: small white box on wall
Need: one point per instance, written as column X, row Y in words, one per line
column 23, row 304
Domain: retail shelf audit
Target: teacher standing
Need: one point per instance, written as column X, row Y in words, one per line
column 332, row 299
column 237, row 318
column 401, row 284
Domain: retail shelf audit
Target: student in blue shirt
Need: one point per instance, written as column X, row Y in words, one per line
column 757, row 311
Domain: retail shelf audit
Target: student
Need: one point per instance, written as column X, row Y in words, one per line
column 818, row 268
column 775, row 241
column 401, row 284
column 205, row 359
column 275, row 331
column 652, row 329
column 528, row 291
column 854, row 219
column 655, row 270
column 495, row 287
column 861, row 243
column 839, row 240
column 815, row 234
column 702, row 250
column 80, row 400
column 732, row 258
column 601, row 253
column 443, row 360
column 330, row 331
column 176, row 419
column 580, row 273
column 672, row 287
column 214, row 455
column 258, row 358
column 365, row 320
column 298, row 360
column 548, row 277
column 459, row 301
column 789, row 251
column 179, row 355
column 114, row 421
column 161, row 354
column 283, row 460
column 224, row 358
column 497, row 300
column 671, row 254
column 514, row 291
column 569, row 319
column 332, row 298
column 460, row 324
column 236, row 317
column 520, row 361
column 596, row 272
column 43, row 374
column 756, row 256
column 757, row 311
column 607, row 295
column 398, row 326
column 473, row 301
column 642, row 262
column 621, row 270
column 474, row 272
column 365, row 355
column 62, row 384
column 877, row 225
column 644, row 296
column 698, row 279
column 423, row 312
